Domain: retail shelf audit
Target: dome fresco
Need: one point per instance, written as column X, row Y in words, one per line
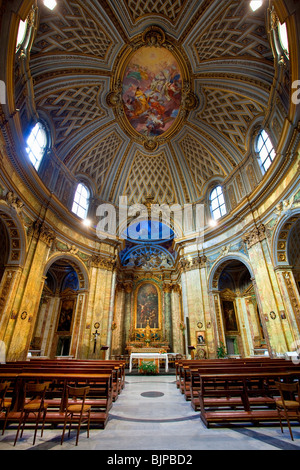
column 142, row 102
column 152, row 90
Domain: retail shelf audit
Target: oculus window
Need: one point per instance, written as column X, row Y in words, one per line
column 36, row 145
column 265, row 150
column 217, row 203
column 81, row 201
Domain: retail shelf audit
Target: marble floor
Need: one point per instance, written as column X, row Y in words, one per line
column 152, row 415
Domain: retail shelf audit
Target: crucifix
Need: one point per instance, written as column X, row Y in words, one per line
column 96, row 334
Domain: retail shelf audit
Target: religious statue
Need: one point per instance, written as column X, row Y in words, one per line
column 147, row 333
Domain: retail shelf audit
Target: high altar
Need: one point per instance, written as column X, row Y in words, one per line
column 147, row 340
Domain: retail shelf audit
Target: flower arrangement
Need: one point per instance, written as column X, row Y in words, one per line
column 162, row 351
column 148, row 368
column 221, row 351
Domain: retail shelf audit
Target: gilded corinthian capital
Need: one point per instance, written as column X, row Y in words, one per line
column 256, row 235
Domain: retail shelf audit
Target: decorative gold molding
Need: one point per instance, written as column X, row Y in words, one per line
column 256, row 235
column 43, row 232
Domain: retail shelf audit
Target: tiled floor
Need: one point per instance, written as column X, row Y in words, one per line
column 161, row 421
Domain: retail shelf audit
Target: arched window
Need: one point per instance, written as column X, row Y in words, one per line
column 283, row 38
column 21, row 33
column 81, row 201
column 36, row 144
column 217, row 203
column 265, row 150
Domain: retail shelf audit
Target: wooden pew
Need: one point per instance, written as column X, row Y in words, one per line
column 237, row 391
column 184, row 368
column 101, row 383
column 117, row 368
column 106, row 379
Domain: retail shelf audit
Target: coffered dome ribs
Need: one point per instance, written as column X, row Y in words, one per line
column 172, row 15
column 201, row 164
column 78, row 34
column 231, row 114
column 97, row 162
column 233, row 31
column 73, row 109
column 150, row 175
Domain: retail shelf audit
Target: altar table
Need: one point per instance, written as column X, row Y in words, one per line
column 149, row 356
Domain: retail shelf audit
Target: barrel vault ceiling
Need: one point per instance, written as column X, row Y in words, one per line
column 73, row 60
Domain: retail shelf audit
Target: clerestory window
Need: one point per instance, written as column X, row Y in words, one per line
column 81, row 201
column 217, row 203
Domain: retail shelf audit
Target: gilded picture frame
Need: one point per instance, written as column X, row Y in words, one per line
column 200, row 338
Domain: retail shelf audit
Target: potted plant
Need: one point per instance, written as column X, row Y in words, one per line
column 221, row 351
column 148, row 368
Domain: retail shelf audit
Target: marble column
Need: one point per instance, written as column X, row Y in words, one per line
column 110, row 315
column 177, row 320
column 168, row 315
column 26, row 302
column 290, row 313
column 118, row 321
column 8, row 289
column 267, row 289
column 127, row 316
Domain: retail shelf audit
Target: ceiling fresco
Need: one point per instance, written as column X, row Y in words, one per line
column 152, row 90
column 158, row 100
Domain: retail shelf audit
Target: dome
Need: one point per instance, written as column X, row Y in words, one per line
column 206, row 72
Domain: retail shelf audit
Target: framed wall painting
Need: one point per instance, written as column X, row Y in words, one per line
column 65, row 316
column 229, row 314
column 147, row 306
column 200, row 337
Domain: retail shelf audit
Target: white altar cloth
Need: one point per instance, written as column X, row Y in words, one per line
column 149, row 356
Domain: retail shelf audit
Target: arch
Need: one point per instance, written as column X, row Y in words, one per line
column 16, row 234
column 219, row 266
column 281, row 236
column 76, row 263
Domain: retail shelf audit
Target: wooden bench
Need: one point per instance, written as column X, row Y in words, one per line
column 117, row 369
column 105, row 378
column 187, row 382
column 99, row 383
column 234, row 397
